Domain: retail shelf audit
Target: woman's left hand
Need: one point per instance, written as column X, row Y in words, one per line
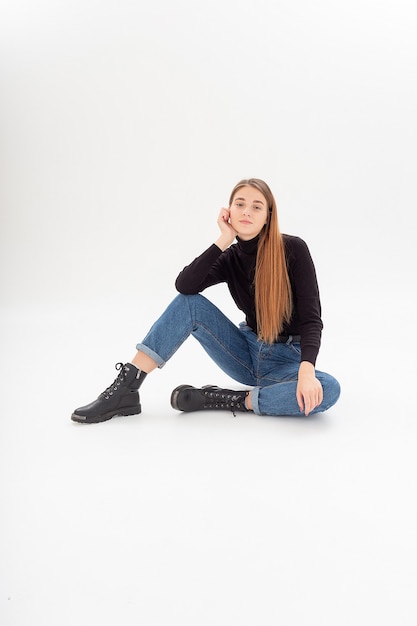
column 309, row 389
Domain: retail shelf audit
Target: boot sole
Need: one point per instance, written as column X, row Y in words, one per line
column 83, row 419
column 175, row 394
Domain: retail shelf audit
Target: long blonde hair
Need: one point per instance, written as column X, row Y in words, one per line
column 273, row 295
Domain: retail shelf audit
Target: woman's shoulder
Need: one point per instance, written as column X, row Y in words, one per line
column 296, row 250
column 293, row 242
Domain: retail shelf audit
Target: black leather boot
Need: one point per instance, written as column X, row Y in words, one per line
column 188, row 398
column 121, row 398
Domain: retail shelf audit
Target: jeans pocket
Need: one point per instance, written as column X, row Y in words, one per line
column 295, row 347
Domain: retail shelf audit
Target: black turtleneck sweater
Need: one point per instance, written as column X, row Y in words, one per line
column 236, row 267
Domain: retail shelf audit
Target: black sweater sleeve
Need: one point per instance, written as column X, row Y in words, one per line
column 203, row 272
column 306, row 320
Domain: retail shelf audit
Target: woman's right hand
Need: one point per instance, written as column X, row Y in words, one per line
column 228, row 233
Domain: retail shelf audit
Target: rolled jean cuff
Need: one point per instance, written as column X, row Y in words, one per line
column 158, row 360
column 255, row 400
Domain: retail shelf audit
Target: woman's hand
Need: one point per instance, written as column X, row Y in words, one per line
column 228, row 233
column 309, row 389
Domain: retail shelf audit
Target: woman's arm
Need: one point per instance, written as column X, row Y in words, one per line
column 206, row 269
column 309, row 389
column 305, row 289
column 307, row 307
column 228, row 233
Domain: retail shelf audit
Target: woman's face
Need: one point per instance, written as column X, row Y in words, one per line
column 248, row 212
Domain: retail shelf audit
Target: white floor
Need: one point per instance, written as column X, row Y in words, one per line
column 166, row 518
column 124, row 126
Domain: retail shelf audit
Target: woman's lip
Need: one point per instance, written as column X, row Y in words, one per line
column 244, row 222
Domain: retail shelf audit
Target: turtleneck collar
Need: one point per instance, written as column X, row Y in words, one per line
column 248, row 247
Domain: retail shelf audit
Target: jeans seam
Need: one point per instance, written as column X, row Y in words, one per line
column 225, row 348
column 196, row 324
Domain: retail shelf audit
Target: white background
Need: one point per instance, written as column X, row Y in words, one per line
column 124, row 126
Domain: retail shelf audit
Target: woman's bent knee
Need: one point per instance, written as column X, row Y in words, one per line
column 331, row 392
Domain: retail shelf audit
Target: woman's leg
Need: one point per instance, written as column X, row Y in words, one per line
column 195, row 315
column 278, row 375
column 144, row 363
column 280, row 398
column 271, row 369
column 185, row 315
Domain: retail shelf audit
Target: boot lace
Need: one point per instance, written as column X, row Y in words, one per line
column 117, row 382
column 221, row 399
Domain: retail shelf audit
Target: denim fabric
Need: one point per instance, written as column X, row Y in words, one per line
column 271, row 370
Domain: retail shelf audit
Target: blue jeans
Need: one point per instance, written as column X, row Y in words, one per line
column 271, row 369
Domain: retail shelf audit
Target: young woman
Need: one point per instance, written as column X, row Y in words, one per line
column 272, row 279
